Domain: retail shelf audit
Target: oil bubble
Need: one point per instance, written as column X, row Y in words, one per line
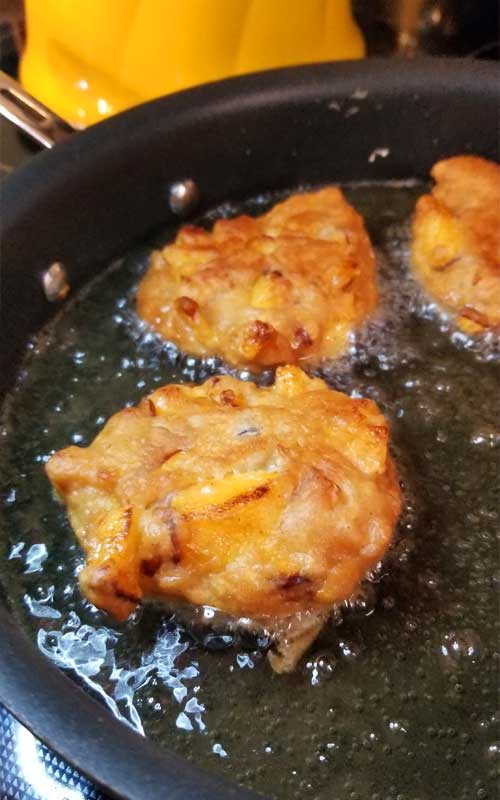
column 350, row 649
column 10, row 496
column 493, row 751
column 460, row 647
column 362, row 604
column 429, row 579
column 485, row 436
column 320, row 668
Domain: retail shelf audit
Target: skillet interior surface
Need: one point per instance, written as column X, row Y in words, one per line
column 397, row 699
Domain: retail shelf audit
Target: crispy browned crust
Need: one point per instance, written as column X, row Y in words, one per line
column 284, row 287
column 456, row 241
column 277, row 502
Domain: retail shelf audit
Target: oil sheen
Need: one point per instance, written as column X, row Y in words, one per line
column 398, row 697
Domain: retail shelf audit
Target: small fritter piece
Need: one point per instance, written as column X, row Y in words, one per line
column 261, row 502
column 456, row 241
column 284, row 287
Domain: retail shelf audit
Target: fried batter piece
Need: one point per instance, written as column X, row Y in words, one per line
column 456, row 241
column 282, row 288
column 268, row 503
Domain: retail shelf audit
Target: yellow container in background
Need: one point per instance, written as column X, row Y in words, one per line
column 87, row 59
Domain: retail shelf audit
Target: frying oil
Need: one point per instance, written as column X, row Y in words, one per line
column 397, row 698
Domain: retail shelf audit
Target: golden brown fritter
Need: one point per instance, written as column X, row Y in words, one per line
column 456, row 241
column 261, row 502
column 285, row 287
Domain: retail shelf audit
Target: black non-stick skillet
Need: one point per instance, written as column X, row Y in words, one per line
column 93, row 197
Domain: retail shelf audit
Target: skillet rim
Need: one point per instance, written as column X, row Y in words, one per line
column 51, row 705
column 377, row 74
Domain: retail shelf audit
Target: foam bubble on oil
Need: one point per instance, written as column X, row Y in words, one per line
column 192, row 368
column 402, row 295
column 385, row 341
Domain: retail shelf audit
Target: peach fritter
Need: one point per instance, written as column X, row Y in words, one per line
column 456, row 241
column 285, row 287
column 260, row 502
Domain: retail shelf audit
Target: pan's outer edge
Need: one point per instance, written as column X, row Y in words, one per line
column 33, row 689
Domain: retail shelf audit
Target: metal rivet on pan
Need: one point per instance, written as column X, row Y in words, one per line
column 183, row 196
column 55, row 284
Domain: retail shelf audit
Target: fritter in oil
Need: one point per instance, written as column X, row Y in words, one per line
column 286, row 287
column 267, row 503
column 456, row 241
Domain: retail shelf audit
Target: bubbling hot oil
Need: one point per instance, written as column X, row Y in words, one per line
column 398, row 695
